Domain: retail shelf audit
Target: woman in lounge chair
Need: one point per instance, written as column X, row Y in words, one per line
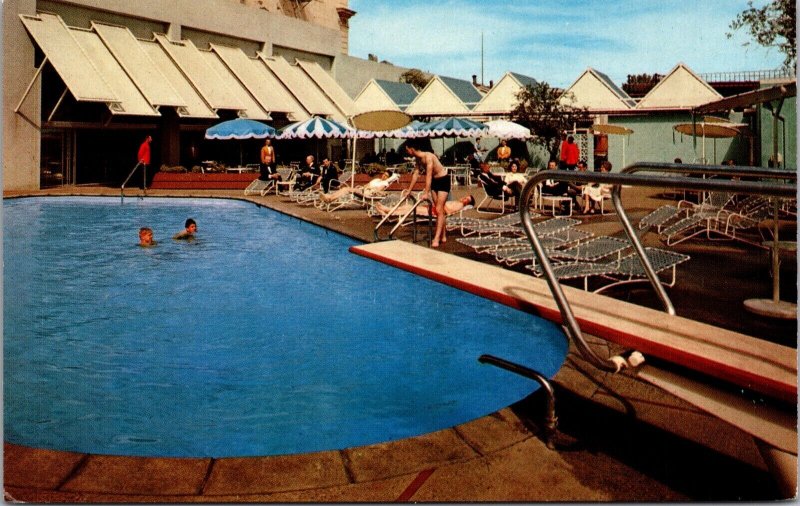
column 593, row 193
column 374, row 186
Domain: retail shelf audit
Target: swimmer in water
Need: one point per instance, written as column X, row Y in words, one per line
column 187, row 233
column 146, row 237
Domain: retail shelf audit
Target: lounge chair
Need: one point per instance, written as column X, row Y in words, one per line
column 658, row 218
column 630, row 268
column 623, row 271
column 697, row 218
column 491, row 196
column 259, row 187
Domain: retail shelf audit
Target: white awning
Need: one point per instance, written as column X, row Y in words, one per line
column 265, row 87
column 138, row 65
column 301, row 86
column 195, row 106
column 251, row 108
column 71, row 63
column 131, row 100
column 329, row 86
column 205, row 79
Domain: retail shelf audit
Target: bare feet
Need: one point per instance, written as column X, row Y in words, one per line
column 434, row 244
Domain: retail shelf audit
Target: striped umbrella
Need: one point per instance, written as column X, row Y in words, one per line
column 240, row 128
column 453, row 127
column 316, row 128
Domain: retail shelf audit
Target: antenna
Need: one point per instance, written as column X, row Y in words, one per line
column 482, row 58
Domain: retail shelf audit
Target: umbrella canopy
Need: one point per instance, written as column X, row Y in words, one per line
column 504, row 129
column 317, row 128
column 241, row 128
column 380, row 121
column 709, row 130
column 453, row 127
column 611, row 129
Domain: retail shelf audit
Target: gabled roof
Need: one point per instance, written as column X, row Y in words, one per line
column 502, row 98
column 401, row 94
column 439, row 98
column 464, row 90
column 374, row 98
column 680, row 89
column 523, row 80
column 597, row 92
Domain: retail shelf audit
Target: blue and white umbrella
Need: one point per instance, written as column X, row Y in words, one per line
column 241, row 128
column 453, row 127
column 317, row 128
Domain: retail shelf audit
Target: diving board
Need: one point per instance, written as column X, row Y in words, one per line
column 751, row 363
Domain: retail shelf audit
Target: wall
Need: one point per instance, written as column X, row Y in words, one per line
column 655, row 140
column 789, row 113
column 353, row 73
column 21, row 135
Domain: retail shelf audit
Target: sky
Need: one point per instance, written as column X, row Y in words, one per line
column 555, row 41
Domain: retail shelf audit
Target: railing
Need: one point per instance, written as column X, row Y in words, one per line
column 401, row 219
column 569, row 323
column 550, row 418
column 746, row 75
column 144, row 181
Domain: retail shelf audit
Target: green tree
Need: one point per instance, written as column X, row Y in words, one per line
column 416, row 78
column 773, row 25
column 548, row 113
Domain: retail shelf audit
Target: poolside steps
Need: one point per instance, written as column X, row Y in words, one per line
column 745, row 361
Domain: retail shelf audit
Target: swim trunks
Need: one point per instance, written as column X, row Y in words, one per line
column 441, row 184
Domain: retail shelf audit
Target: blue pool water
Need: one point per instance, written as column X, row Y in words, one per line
column 264, row 336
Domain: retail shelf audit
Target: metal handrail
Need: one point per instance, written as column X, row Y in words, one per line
column 569, row 324
column 144, row 181
column 550, row 419
column 414, row 204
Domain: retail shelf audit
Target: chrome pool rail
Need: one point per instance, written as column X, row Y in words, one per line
column 144, row 181
column 569, row 323
column 550, row 418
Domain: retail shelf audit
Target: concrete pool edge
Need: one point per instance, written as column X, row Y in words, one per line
column 32, row 474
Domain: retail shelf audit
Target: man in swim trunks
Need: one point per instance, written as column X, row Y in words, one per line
column 437, row 186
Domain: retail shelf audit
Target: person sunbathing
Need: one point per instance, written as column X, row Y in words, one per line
column 450, row 207
column 375, row 186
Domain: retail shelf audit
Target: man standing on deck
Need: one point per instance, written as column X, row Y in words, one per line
column 437, row 187
column 144, row 153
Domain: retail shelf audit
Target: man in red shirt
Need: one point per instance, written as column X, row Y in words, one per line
column 570, row 153
column 144, row 152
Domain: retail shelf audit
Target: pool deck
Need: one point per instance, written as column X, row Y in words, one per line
column 620, row 438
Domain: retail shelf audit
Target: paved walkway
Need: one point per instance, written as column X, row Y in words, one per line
column 620, row 439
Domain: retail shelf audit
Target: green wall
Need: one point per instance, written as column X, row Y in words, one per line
column 789, row 112
column 655, row 140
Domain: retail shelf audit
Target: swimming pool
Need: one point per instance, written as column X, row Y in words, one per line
column 262, row 337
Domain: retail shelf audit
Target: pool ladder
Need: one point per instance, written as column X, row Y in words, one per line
column 550, row 428
column 144, row 182
column 401, row 220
